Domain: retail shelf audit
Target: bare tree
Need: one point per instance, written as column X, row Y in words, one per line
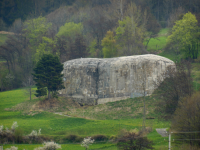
column 186, row 119
column 144, row 72
column 134, row 141
column 176, row 85
column 28, row 83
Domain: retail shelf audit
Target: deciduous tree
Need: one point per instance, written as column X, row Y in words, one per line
column 177, row 84
column 133, row 141
column 109, row 45
column 186, row 119
column 184, row 37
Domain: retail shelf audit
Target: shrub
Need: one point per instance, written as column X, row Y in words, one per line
column 7, row 135
column 14, row 126
column 18, row 134
column 12, row 148
column 100, row 138
column 35, row 137
column 134, row 141
column 113, row 138
column 186, row 119
column 49, row 146
column 73, row 138
column 86, row 142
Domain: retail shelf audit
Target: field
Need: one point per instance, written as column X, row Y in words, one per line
column 157, row 44
column 59, row 126
column 97, row 146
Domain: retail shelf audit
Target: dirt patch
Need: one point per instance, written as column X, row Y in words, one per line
column 5, row 32
column 53, row 105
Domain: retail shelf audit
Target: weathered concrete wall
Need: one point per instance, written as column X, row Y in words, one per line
column 95, row 81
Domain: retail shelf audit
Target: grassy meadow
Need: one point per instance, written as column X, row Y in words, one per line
column 104, row 146
column 157, row 44
column 107, row 122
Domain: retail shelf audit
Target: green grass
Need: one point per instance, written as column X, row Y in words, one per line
column 124, row 109
column 163, row 32
column 58, row 126
column 3, row 38
column 169, row 55
column 95, row 146
column 157, row 44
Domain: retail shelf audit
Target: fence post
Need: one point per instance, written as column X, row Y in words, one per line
column 169, row 140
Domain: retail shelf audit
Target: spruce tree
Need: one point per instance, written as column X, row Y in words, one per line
column 48, row 75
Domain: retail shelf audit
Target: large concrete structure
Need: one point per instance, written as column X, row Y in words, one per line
column 94, row 81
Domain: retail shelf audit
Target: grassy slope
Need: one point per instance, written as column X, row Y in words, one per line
column 3, row 38
column 68, row 146
column 158, row 43
column 59, row 126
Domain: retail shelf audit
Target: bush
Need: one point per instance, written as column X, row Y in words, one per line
column 100, row 138
column 134, row 141
column 49, row 146
column 18, row 135
column 186, row 119
column 73, row 138
column 113, row 138
column 177, row 84
column 12, row 148
column 86, row 142
column 7, row 135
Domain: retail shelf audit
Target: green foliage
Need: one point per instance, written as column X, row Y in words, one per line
column 70, row 29
column 93, row 48
column 156, row 44
column 184, row 37
column 3, row 38
column 36, row 30
column 109, row 45
column 45, row 47
column 130, row 37
column 48, row 75
column 133, row 141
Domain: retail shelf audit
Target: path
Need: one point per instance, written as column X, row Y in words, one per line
column 60, row 113
column 162, row 131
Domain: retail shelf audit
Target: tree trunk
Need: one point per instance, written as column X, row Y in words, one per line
column 49, row 95
column 30, row 93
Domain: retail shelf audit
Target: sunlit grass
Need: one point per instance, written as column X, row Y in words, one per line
column 57, row 126
column 95, row 146
column 158, row 43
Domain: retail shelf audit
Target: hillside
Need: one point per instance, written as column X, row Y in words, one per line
column 108, row 119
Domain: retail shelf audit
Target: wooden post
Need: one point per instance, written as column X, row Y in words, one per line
column 169, row 140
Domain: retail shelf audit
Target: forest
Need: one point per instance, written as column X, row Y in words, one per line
column 74, row 29
column 71, row 29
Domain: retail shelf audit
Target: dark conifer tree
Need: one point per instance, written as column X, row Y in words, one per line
column 48, row 75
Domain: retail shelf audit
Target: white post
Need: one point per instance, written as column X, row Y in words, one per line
column 169, row 140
